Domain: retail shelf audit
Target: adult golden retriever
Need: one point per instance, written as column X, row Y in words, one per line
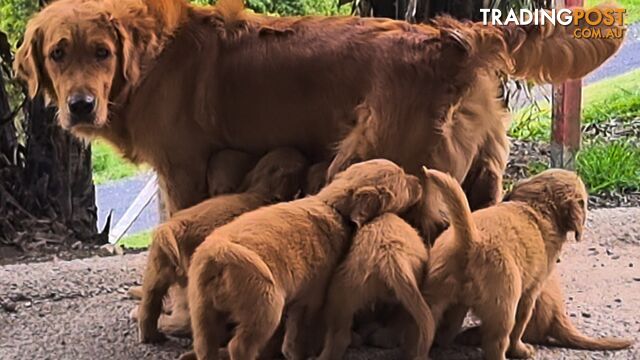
column 496, row 260
column 169, row 84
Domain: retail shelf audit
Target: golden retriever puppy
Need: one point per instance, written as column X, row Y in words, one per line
column 316, row 178
column 226, row 171
column 118, row 69
column 550, row 325
column 283, row 256
column 386, row 262
column 278, row 176
column 495, row 261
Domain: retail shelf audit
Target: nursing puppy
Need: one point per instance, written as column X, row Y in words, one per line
column 496, row 260
column 386, row 262
column 278, row 176
column 283, row 255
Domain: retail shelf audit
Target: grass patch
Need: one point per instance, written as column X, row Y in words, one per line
column 108, row 165
column 137, row 241
column 614, row 98
column 611, row 166
column 632, row 7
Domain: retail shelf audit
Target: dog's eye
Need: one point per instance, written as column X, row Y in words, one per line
column 57, row 54
column 102, row 53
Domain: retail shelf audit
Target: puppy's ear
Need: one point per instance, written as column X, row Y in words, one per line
column 575, row 217
column 29, row 62
column 366, row 203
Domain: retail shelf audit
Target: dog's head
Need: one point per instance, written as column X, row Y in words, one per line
column 278, row 175
column 368, row 189
column 560, row 193
column 82, row 54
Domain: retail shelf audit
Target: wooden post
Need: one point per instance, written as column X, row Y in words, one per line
column 566, row 101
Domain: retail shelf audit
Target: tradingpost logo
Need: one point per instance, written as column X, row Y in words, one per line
column 588, row 23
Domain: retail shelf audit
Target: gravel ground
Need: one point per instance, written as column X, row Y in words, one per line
column 79, row 309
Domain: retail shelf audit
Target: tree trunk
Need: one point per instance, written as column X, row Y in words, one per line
column 47, row 197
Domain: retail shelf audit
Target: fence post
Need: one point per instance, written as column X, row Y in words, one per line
column 565, row 120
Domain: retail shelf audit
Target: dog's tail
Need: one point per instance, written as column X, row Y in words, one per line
column 398, row 276
column 554, row 53
column 456, row 203
column 221, row 253
column 565, row 334
column 164, row 238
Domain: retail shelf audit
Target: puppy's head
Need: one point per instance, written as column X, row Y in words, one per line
column 316, row 178
column 560, row 193
column 79, row 54
column 368, row 189
column 278, row 175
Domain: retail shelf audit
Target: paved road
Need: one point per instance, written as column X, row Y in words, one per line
column 78, row 309
column 118, row 195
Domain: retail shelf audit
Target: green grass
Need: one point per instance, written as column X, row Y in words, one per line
column 137, row 241
column 632, row 7
column 611, row 166
column 108, row 165
column 613, row 98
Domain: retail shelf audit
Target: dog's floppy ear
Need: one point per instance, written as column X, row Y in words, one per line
column 129, row 52
column 29, row 63
column 575, row 217
column 365, row 204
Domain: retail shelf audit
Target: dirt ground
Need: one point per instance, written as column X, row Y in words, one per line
column 79, row 309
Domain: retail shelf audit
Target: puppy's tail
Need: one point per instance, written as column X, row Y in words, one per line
column 399, row 277
column 164, row 238
column 565, row 334
column 220, row 253
column 554, row 53
column 456, row 203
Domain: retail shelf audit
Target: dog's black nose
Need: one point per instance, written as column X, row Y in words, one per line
column 81, row 106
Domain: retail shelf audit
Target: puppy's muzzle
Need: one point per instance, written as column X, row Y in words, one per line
column 81, row 108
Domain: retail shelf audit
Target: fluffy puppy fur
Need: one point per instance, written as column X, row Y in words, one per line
column 283, row 256
column 225, row 173
column 386, row 262
column 316, row 178
column 550, row 325
column 134, row 57
column 278, row 176
column 496, row 260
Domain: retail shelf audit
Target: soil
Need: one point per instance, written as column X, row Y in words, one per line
column 79, row 309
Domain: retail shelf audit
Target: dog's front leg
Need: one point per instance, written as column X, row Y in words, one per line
column 158, row 276
column 518, row 349
column 293, row 344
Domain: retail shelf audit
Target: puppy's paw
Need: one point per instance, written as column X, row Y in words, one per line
column 135, row 292
column 191, row 355
column 133, row 314
column 174, row 325
column 151, row 337
column 521, row 351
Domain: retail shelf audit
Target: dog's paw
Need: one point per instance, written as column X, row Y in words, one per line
column 133, row 314
column 521, row 351
column 174, row 325
column 151, row 337
column 135, row 292
column 191, row 355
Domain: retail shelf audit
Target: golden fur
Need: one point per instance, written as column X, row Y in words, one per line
column 550, row 325
column 283, row 256
column 278, row 176
column 386, row 262
column 496, row 260
column 388, row 89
